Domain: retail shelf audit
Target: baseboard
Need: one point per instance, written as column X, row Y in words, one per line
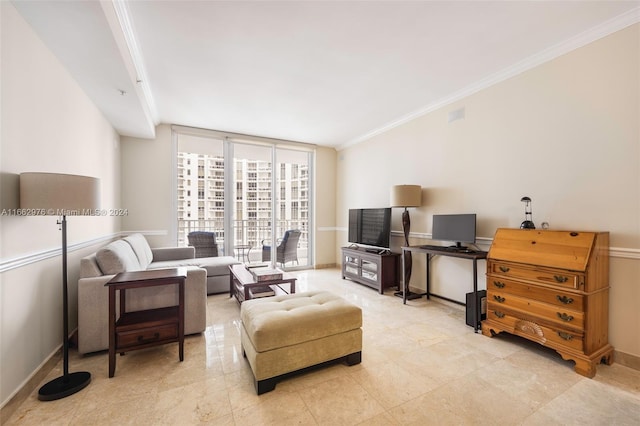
column 325, row 266
column 628, row 360
column 7, row 410
column 35, row 380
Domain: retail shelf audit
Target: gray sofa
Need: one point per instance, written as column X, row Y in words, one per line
column 205, row 275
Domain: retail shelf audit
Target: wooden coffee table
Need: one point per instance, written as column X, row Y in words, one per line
column 241, row 281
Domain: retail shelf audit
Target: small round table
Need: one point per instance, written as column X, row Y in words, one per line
column 242, row 252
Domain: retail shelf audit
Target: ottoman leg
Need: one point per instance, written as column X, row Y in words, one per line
column 354, row 358
column 266, row 385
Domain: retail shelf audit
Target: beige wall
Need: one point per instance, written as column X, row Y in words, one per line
column 48, row 125
column 565, row 133
column 147, row 189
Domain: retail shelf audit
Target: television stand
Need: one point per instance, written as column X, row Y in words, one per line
column 376, row 269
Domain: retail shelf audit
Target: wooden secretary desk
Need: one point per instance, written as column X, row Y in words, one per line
column 552, row 287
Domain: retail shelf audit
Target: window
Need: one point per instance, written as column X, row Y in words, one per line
column 242, row 209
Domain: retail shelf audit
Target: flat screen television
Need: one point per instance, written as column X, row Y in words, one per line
column 456, row 228
column 370, row 227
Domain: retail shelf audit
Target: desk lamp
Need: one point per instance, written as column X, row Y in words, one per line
column 54, row 194
column 406, row 196
column 528, row 222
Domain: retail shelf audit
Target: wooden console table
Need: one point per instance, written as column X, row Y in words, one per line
column 432, row 251
column 146, row 328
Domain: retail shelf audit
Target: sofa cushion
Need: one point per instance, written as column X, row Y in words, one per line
column 214, row 265
column 117, row 257
column 141, row 248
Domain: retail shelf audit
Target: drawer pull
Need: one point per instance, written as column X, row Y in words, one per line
column 564, row 299
column 565, row 317
column 499, row 299
column 498, row 284
column 504, row 269
column 565, row 336
column 155, row 337
column 499, row 314
column 560, row 279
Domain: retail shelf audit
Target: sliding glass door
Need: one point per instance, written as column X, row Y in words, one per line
column 271, row 204
column 292, row 182
column 252, row 199
column 253, row 195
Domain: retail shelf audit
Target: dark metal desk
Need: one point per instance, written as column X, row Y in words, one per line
column 431, row 252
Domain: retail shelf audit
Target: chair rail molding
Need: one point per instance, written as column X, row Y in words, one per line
column 38, row 256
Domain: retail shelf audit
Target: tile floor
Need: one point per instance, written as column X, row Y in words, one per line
column 420, row 365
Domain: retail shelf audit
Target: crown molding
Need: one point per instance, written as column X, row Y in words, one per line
column 124, row 32
column 600, row 31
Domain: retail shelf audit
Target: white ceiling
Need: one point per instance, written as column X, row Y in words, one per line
column 325, row 72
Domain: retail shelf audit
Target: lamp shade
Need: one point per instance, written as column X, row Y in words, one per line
column 55, row 194
column 406, row 196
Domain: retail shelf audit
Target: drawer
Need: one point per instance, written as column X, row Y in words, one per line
column 546, row 312
column 554, row 296
column 555, row 277
column 537, row 332
column 125, row 339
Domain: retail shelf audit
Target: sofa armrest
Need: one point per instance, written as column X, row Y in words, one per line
column 173, row 253
column 93, row 314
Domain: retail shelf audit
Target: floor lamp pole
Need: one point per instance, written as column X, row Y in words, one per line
column 68, row 383
column 406, row 227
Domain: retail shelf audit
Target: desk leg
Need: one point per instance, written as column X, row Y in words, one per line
column 428, row 275
column 475, row 295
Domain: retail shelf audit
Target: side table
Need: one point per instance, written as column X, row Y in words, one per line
column 242, row 252
column 146, row 328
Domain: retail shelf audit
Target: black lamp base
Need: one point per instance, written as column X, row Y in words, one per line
column 410, row 295
column 64, row 386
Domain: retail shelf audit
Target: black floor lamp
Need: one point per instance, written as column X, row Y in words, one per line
column 54, row 194
column 406, row 196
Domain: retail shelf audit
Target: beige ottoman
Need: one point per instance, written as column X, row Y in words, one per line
column 283, row 334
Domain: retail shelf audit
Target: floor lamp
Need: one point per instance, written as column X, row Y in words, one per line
column 54, row 194
column 406, row 196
